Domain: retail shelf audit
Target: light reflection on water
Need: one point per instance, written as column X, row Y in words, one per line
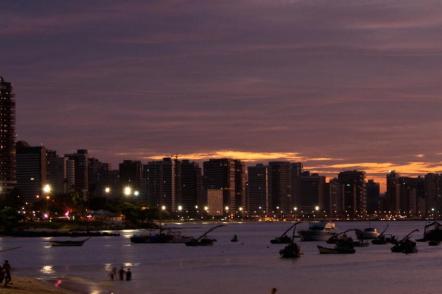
column 47, row 270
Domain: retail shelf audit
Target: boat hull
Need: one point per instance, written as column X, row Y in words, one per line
column 315, row 235
column 325, row 250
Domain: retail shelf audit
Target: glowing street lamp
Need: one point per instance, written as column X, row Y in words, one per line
column 180, row 207
column 226, row 208
column 136, row 193
column 206, row 208
column 127, row 191
column 240, row 208
column 47, row 189
column 163, row 207
column 316, row 208
column 295, row 208
column 107, row 190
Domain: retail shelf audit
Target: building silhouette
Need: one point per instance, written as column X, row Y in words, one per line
column 31, row 171
column 7, row 138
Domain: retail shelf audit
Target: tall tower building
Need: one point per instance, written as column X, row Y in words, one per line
column 258, row 193
column 280, row 185
column 220, row 174
column 354, row 191
column 161, row 183
column 81, row 163
column 7, row 137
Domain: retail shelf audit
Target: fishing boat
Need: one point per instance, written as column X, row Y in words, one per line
column 164, row 236
column 382, row 238
column 370, row 233
column 336, row 238
column 326, row 250
column 432, row 232
column 343, row 246
column 59, row 243
column 405, row 245
column 203, row 240
column 284, row 239
column 292, row 250
column 318, row 231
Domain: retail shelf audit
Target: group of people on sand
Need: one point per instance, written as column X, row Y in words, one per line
column 5, row 274
column 122, row 274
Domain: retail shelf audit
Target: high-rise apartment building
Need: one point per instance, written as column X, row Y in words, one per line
column 160, row 177
column 31, row 171
column 222, row 174
column 354, row 191
column 81, row 163
column 257, row 192
column 7, row 137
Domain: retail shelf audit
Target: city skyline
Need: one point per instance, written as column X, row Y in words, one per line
column 358, row 89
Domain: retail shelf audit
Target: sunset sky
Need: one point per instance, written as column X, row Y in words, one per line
column 335, row 84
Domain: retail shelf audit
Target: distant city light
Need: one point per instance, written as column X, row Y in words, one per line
column 163, row 207
column 127, row 191
column 226, row 208
column 107, row 190
column 317, row 208
column 295, row 208
column 136, row 193
column 206, row 208
column 180, row 207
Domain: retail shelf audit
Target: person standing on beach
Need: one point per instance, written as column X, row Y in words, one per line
column 113, row 274
column 128, row 275
column 7, row 273
column 2, row 275
column 121, row 273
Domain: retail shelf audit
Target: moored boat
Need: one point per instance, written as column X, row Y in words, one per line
column 327, row 250
column 284, row 239
column 163, row 237
column 405, row 245
column 292, row 250
column 203, row 240
column 318, row 231
column 62, row 243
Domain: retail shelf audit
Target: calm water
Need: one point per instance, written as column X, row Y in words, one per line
column 250, row 266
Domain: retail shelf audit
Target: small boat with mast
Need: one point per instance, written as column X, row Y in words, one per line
column 384, row 238
column 203, row 240
column 405, row 245
column 284, row 239
column 432, row 233
column 292, row 250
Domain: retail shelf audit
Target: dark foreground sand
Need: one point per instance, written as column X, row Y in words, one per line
column 25, row 285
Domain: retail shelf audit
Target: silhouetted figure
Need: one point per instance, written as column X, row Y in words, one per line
column 273, row 291
column 113, row 274
column 121, row 273
column 7, row 273
column 2, row 274
column 128, row 275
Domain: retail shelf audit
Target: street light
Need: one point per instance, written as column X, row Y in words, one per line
column 206, row 208
column 47, row 189
column 180, row 207
column 107, row 190
column 226, row 208
column 295, row 208
column 163, row 207
column 240, row 208
column 127, row 191
column 317, row 208
column 136, row 193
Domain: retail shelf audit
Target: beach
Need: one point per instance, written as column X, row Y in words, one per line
column 27, row 285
